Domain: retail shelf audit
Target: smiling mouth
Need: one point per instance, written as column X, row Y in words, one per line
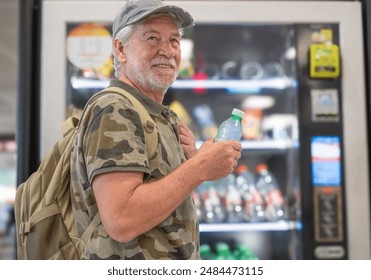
column 165, row 66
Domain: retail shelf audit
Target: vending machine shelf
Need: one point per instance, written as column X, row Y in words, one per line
column 276, row 83
column 240, row 227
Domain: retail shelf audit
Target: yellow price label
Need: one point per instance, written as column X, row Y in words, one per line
column 324, row 61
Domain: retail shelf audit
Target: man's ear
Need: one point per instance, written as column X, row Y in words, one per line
column 119, row 50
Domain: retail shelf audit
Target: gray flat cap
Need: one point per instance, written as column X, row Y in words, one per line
column 136, row 10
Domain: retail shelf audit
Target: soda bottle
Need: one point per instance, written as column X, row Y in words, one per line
column 253, row 202
column 231, row 128
column 267, row 185
column 213, row 208
column 233, row 201
column 223, row 251
column 205, row 252
column 205, row 120
column 199, row 205
column 243, row 252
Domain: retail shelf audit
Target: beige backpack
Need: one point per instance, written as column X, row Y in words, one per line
column 43, row 211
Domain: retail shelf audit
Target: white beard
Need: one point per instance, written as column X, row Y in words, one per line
column 153, row 79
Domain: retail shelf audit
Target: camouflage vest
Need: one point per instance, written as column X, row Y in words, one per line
column 111, row 138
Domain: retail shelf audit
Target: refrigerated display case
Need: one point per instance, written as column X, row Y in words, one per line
column 237, row 66
column 294, row 67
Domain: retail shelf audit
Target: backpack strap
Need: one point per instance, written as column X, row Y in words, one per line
column 41, row 215
column 90, row 229
column 69, row 124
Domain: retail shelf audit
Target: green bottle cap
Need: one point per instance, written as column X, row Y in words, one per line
column 238, row 113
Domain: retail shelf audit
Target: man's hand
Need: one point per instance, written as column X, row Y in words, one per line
column 187, row 140
column 218, row 159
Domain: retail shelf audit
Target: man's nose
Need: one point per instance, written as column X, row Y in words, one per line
column 167, row 49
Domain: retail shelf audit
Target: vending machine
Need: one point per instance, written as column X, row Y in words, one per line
column 296, row 69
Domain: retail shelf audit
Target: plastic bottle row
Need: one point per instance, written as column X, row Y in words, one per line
column 223, row 251
column 245, row 196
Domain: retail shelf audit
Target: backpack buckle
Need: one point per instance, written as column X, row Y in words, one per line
column 149, row 126
column 24, row 228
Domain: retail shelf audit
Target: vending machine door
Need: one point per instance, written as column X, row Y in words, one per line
column 275, row 63
column 258, row 204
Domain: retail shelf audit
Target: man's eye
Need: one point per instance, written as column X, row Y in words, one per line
column 175, row 42
column 152, row 38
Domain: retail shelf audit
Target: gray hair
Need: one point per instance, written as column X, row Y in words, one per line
column 123, row 36
column 125, row 33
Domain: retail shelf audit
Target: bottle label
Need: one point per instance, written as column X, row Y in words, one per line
column 257, row 198
column 275, row 197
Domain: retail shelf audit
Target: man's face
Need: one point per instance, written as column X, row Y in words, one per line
column 153, row 54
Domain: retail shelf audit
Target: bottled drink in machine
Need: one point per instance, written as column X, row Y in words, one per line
column 253, row 202
column 267, row 185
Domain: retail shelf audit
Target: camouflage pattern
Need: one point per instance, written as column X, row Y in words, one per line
column 110, row 139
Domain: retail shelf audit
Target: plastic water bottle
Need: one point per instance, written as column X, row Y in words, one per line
column 267, row 185
column 253, row 202
column 231, row 128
